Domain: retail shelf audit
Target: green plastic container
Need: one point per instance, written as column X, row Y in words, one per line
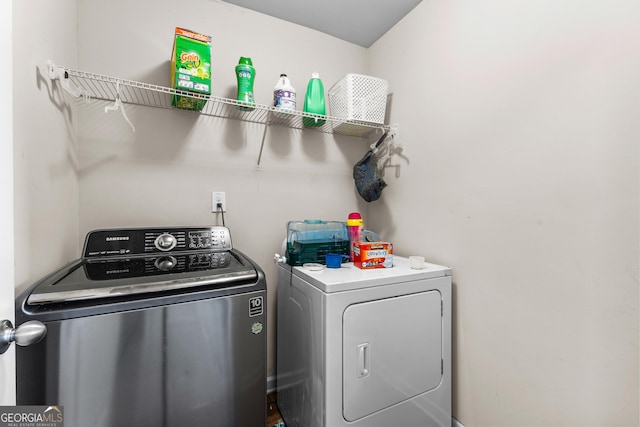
column 245, row 74
column 309, row 241
column 314, row 102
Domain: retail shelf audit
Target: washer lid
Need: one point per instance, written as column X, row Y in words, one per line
column 93, row 279
column 350, row 277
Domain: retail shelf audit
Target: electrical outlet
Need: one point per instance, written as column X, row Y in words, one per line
column 218, row 197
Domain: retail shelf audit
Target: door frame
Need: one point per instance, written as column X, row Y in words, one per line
column 7, row 286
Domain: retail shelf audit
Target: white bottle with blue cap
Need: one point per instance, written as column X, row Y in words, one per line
column 284, row 94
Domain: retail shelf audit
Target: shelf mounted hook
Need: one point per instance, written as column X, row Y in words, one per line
column 60, row 74
column 118, row 105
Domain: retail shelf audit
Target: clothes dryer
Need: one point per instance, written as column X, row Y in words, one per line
column 364, row 348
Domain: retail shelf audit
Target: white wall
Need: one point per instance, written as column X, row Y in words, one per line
column 45, row 165
column 163, row 174
column 519, row 124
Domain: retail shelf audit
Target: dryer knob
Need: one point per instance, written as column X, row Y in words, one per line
column 166, row 242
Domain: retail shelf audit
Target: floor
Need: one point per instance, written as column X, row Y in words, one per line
column 274, row 419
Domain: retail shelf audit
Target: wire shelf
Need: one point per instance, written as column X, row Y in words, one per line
column 87, row 85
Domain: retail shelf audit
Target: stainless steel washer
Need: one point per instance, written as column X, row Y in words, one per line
column 151, row 327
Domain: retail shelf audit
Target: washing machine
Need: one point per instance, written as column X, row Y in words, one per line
column 151, row 327
column 364, row 348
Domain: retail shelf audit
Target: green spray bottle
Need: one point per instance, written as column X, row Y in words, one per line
column 314, row 102
column 245, row 73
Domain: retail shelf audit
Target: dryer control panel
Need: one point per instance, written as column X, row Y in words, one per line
column 138, row 241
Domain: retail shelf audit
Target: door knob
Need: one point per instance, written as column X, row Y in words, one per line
column 28, row 333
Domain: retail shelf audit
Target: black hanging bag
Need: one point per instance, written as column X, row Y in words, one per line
column 368, row 180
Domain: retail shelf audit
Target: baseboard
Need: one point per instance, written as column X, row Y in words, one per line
column 271, row 386
column 456, row 423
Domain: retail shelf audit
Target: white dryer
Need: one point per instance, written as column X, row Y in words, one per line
column 364, row 348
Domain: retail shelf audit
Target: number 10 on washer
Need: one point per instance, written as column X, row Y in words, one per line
column 255, row 306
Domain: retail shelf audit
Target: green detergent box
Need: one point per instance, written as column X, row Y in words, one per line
column 191, row 69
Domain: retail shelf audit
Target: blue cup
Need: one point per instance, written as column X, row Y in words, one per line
column 333, row 260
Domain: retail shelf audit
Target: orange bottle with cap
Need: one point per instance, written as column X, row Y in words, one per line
column 355, row 227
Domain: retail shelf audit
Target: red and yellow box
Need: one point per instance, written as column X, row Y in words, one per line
column 373, row 255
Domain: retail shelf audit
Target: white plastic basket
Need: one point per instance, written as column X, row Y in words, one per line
column 359, row 97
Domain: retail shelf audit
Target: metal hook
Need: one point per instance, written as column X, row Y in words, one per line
column 118, row 105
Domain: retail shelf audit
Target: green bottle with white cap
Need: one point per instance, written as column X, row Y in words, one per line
column 314, row 102
column 245, row 74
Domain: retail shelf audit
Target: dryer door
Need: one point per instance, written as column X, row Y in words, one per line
column 392, row 351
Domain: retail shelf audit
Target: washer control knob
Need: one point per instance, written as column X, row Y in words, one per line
column 166, row 242
column 165, row 263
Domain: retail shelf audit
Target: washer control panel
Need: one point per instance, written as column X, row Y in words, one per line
column 102, row 243
column 217, row 238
